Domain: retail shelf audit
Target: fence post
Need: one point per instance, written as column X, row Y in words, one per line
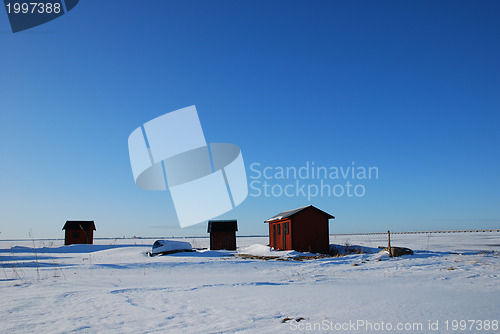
column 389, row 242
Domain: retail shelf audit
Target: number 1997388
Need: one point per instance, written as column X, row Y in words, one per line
column 33, row 7
column 476, row 325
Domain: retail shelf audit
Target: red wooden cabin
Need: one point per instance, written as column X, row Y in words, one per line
column 79, row 232
column 222, row 234
column 304, row 229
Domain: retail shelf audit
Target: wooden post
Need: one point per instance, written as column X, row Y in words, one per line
column 389, row 242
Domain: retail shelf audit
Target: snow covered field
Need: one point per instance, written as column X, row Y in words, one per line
column 114, row 287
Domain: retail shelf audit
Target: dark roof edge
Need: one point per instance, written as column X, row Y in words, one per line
column 283, row 215
column 79, row 224
column 222, row 226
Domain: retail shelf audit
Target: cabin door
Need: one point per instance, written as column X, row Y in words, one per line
column 284, row 233
column 274, row 236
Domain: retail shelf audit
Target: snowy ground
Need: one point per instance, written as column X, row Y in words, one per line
column 113, row 287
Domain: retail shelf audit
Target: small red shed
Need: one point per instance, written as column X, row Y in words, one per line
column 79, row 232
column 304, row 229
column 222, row 234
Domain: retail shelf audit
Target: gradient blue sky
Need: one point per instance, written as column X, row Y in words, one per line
column 412, row 87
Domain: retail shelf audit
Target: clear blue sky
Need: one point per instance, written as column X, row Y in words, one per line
column 412, row 87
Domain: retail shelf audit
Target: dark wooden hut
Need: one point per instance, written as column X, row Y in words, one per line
column 79, row 232
column 222, row 234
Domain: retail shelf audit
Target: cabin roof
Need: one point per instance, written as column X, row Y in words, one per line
column 290, row 213
column 222, row 226
column 84, row 225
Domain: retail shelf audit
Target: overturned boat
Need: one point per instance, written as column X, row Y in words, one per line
column 162, row 247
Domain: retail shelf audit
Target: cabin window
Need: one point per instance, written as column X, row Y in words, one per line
column 286, row 228
column 279, row 229
column 76, row 235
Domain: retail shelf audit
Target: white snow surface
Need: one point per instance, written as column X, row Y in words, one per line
column 114, row 287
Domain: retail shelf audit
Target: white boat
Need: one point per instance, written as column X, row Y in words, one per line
column 161, row 247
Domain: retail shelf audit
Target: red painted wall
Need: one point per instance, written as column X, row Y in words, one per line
column 78, row 237
column 223, row 240
column 310, row 232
